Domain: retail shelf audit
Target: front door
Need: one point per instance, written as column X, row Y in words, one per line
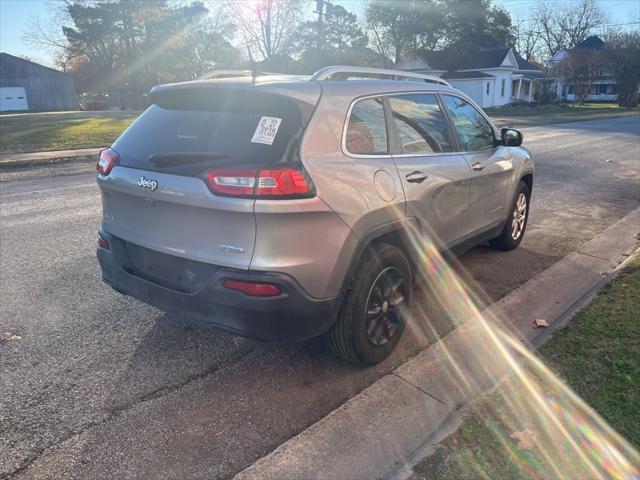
column 491, row 165
column 434, row 178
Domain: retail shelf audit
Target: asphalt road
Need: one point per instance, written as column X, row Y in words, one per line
column 103, row 386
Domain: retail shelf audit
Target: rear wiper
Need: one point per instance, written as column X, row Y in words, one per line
column 174, row 159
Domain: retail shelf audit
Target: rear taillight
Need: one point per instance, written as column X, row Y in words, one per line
column 108, row 159
column 252, row 288
column 233, row 181
column 103, row 243
column 265, row 183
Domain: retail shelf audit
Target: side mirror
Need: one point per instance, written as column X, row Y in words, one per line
column 511, row 137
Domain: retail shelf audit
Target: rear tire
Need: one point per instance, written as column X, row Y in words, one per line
column 373, row 317
column 514, row 228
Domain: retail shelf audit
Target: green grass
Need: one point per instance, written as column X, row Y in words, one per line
column 597, row 355
column 526, row 110
column 596, row 105
column 547, row 114
column 44, row 132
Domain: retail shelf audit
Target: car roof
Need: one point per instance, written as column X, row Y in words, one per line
column 362, row 87
column 295, row 86
column 304, row 88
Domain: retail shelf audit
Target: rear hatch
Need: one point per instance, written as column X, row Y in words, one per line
column 157, row 195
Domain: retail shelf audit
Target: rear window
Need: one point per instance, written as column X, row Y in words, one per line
column 186, row 131
column 367, row 132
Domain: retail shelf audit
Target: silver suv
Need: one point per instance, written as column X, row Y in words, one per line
column 276, row 207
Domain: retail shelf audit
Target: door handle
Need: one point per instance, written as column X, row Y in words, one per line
column 478, row 167
column 416, row 177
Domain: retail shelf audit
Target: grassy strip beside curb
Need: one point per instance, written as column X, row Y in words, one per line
column 525, row 116
column 597, row 354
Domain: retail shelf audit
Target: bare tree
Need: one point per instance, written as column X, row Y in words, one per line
column 565, row 27
column 581, row 68
column 527, row 39
column 48, row 33
column 267, row 24
column 52, row 35
column 623, row 61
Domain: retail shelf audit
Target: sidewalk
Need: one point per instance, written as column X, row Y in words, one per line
column 14, row 160
column 378, row 431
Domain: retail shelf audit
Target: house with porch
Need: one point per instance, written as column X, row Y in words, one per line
column 600, row 84
column 492, row 77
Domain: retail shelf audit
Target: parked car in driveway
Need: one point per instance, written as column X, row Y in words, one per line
column 278, row 207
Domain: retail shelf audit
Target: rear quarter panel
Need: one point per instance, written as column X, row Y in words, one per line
column 303, row 238
column 346, row 184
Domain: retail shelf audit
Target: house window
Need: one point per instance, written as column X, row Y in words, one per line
column 502, row 87
column 526, row 87
column 488, row 86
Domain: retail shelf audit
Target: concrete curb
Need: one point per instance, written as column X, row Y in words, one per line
column 397, row 415
column 12, row 161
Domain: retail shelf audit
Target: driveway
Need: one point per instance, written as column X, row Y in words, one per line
column 103, row 386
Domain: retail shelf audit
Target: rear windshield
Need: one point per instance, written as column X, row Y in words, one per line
column 186, row 132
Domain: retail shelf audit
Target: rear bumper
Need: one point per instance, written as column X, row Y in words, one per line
column 292, row 315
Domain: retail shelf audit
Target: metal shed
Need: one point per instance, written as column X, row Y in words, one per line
column 26, row 85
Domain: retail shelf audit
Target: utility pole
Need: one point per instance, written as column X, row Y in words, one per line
column 323, row 14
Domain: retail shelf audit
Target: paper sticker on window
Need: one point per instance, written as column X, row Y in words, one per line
column 266, row 130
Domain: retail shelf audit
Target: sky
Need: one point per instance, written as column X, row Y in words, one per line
column 15, row 15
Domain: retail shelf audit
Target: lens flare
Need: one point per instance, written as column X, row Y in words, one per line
column 569, row 439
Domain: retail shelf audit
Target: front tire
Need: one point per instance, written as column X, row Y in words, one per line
column 374, row 315
column 514, row 228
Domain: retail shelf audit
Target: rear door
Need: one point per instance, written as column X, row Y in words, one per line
column 491, row 165
column 157, row 197
column 434, row 178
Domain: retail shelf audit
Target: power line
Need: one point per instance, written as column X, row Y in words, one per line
column 619, row 24
column 603, row 25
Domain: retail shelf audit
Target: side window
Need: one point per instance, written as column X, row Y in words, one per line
column 367, row 132
column 420, row 123
column 473, row 130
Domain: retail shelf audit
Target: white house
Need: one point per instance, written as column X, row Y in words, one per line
column 492, row 77
column 603, row 88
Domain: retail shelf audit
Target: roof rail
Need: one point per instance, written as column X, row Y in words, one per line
column 227, row 74
column 327, row 73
